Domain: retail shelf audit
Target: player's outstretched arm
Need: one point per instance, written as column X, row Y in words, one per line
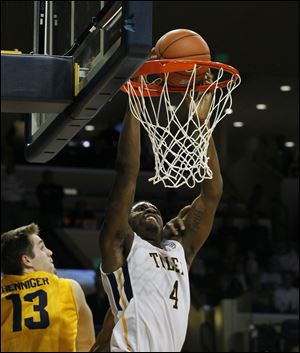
column 116, row 235
column 198, row 217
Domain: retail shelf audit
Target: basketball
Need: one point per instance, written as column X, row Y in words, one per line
column 183, row 44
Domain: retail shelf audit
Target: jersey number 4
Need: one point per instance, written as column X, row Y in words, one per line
column 39, row 307
column 174, row 295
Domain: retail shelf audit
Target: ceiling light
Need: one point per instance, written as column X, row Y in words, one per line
column 86, row 144
column 285, row 88
column 70, row 191
column 238, row 124
column 89, row 128
column 289, row 144
column 228, row 111
column 261, row 106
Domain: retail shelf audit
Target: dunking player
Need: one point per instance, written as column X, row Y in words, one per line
column 144, row 272
column 39, row 311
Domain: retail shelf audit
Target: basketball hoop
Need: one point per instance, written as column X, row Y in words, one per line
column 180, row 147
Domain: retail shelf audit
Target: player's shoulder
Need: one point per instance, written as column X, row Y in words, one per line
column 68, row 283
column 74, row 284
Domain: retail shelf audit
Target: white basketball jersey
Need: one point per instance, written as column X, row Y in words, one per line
column 150, row 298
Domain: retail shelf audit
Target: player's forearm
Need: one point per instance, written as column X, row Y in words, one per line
column 128, row 157
column 102, row 343
column 213, row 188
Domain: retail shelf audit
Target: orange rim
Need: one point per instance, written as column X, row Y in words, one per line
column 163, row 66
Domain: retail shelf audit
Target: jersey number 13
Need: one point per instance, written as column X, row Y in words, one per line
column 29, row 322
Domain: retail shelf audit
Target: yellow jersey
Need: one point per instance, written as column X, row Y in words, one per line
column 38, row 313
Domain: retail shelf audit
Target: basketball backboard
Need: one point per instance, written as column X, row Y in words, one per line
column 107, row 40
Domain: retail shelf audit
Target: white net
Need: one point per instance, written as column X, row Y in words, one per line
column 180, row 147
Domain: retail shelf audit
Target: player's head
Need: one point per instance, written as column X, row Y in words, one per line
column 23, row 251
column 146, row 221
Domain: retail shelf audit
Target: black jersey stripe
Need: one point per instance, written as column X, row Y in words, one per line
column 114, row 286
column 127, row 282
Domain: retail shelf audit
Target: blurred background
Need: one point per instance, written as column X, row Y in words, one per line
column 245, row 280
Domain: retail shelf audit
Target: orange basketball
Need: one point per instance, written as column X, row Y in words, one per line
column 183, row 44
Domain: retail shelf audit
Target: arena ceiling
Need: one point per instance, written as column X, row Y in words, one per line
column 260, row 38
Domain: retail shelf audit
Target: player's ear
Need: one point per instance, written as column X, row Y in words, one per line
column 26, row 261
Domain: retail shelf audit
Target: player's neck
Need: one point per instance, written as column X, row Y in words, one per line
column 28, row 270
column 154, row 243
